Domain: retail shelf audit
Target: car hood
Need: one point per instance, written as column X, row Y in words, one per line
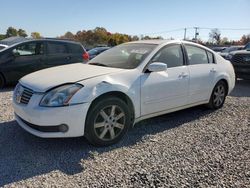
column 43, row 80
column 240, row 52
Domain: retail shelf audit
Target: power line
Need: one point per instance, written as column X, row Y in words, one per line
column 232, row 29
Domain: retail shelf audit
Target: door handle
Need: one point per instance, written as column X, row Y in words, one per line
column 183, row 75
column 213, row 70
column 68, row 57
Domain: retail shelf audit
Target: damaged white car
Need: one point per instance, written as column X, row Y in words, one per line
column 128, row 83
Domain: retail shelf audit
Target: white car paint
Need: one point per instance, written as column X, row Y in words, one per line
column 151, row 94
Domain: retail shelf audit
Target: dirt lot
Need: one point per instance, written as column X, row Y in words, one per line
column 196, row 147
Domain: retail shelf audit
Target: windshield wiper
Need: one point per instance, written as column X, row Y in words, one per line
column 98, row 64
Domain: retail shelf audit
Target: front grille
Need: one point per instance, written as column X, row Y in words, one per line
column 26, row 95
column 241, row 59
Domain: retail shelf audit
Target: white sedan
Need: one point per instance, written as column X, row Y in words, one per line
column 128, row 83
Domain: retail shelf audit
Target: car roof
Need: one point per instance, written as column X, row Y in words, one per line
column 156, row 41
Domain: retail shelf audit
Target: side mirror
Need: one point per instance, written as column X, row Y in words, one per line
column 157, row 67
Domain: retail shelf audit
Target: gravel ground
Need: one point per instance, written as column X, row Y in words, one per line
column 191, row 148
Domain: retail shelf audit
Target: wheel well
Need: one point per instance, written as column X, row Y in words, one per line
column 226, row 83
column 119, row 95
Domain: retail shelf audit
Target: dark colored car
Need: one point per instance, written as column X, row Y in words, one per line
column 96, row 51
column 225, row 53
column 241, row 62
column 26, row 57
column 218, row 49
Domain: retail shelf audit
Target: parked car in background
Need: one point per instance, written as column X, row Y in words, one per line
column 241, row 62
column 218, row 49
column 124, row 85
column 23, row 58
column 225, row 53
column 96, row 51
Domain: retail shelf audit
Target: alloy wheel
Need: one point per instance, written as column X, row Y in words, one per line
column 219, row 95
column 109, row 122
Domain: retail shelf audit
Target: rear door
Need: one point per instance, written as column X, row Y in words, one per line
column 28, row 57
column 57, row 54
column 202, row 70
column 76, row 52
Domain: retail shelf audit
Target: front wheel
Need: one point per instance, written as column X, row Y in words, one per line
column 218, row 95
column 108, row 120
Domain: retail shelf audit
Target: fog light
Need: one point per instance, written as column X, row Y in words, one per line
column 63, row 128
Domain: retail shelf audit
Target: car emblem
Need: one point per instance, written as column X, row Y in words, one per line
column 18, row 94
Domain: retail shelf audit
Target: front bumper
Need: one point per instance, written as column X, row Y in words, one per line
column 50, row 122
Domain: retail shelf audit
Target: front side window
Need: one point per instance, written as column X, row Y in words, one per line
column 29, row 49
column 57, row 48
column 196, row 55
column 170, row 55
column 124, row 56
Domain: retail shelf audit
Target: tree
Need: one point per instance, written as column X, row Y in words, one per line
column 11, row 32
column 68, row 35
column 22, row 33
column 245, row 39
column 35, row 35
column 215, row 35
column 224, row 41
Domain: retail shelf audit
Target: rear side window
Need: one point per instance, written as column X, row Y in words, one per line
column 210, row 57
column 196, row 55
column 57, row 48
column 75, row 48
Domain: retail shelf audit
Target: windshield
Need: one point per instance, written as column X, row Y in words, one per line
column 92, row 52
column 125, row 56
column 247, row 47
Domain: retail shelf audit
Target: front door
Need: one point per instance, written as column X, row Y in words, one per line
column 27, row 58
column 168, row 89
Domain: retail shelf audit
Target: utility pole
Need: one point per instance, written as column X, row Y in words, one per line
column 185, row 32
column 196, row 33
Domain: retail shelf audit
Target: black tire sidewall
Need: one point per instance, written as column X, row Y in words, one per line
column 2, row 81
column 94, row 110
column 211, row 102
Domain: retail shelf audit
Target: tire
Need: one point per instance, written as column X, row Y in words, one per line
column 2, row 81
column 218, row 95
column 108, row 120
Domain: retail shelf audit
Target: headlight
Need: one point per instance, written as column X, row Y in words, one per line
column 60, row 96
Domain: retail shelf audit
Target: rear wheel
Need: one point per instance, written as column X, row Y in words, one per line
column 2, row 81
column 107, row 121
column 218, row 95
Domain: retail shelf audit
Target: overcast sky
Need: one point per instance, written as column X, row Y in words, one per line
column 135, row 17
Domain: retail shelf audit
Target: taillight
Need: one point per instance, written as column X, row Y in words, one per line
column 85, row 56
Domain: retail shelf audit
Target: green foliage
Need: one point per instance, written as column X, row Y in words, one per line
column 2, row 37
column 22, row 33
column 35, row 35
column 11, row 32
